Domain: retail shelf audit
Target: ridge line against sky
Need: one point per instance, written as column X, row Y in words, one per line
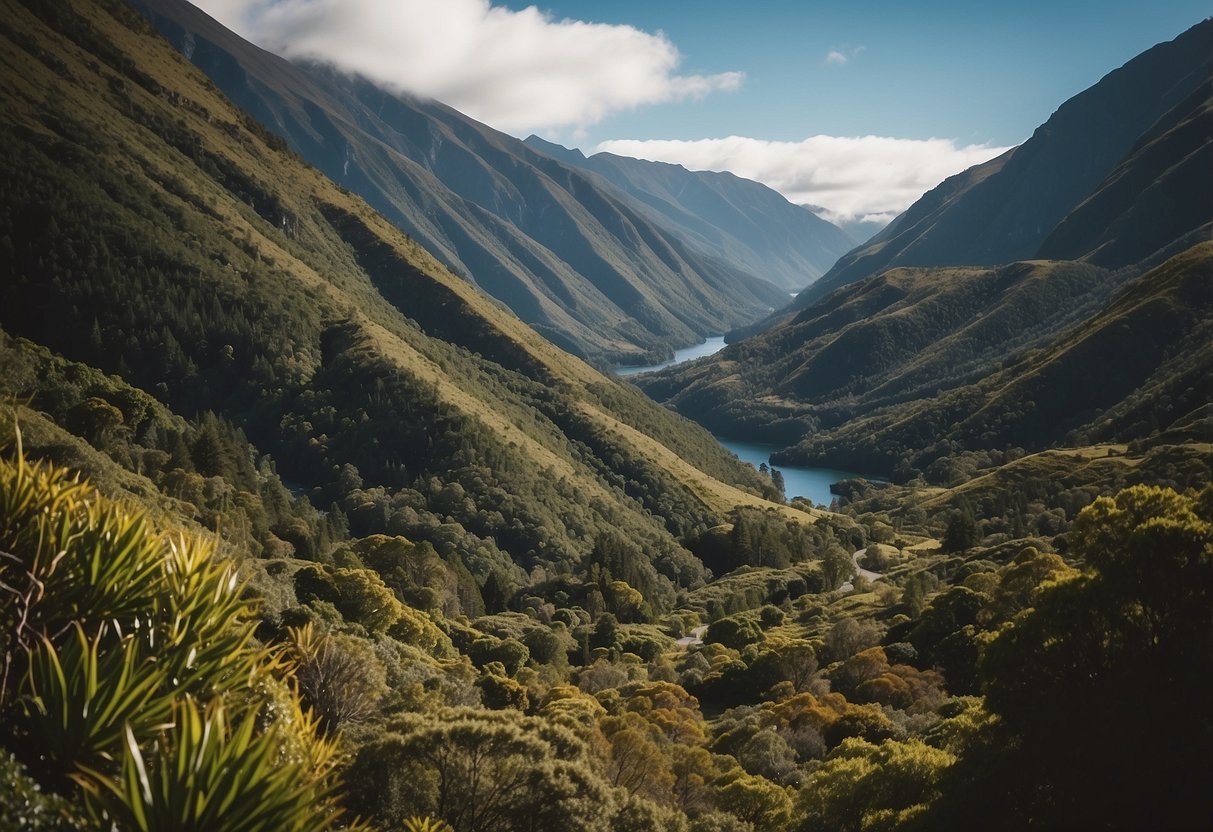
column 856, row 109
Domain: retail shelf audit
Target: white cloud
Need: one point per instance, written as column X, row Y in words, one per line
column 871, row 178
column 515, row 70
column 843, row 55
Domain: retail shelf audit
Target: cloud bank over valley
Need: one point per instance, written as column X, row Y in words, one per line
column 865, row 179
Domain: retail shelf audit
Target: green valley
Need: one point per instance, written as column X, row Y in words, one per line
column 303, row 528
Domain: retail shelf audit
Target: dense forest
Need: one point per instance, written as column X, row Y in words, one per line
column 300, row 531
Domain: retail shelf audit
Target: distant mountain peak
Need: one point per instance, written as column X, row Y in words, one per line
column 737, row 220
column 571, row 155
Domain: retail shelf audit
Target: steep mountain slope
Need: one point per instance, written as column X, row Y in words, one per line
column 576, row 260
column 736, row 220
column 152, row 230
column 1005, row 209
column 894, row 337
column 1158, row 193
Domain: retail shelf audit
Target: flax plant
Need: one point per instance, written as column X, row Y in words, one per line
column 130, row 677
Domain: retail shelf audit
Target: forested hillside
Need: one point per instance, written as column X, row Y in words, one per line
column 155, row 232
column 896, row 372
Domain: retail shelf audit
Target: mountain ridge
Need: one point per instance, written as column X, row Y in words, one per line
column 574, row 259
column 153, row 231
column 1003, row 210
column 1156, row 189
column 734, row 219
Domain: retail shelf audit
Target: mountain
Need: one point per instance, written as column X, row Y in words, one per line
column 1158, row 192
column 1006, row 209
column 1097, row 328
column 297, row 527
column 262, row 322
column 579, row 261
column 1138, row 366
column 741, row 222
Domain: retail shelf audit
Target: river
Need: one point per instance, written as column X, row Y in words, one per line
column 708, row 347
column 810, row 483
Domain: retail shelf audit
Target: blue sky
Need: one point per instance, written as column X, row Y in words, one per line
column 852, row 108
column 971, row 71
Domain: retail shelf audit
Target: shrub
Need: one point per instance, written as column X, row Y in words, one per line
column 129, row 680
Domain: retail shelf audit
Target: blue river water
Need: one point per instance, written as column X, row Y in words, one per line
column 810, row 483
column 708, row 347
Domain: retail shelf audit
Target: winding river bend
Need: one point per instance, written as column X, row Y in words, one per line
column 810, row 483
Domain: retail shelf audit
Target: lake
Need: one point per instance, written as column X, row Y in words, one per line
column 810, row 483
column 708, row 347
